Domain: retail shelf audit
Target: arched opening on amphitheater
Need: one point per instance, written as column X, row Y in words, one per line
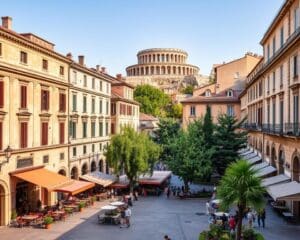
column 2, row 205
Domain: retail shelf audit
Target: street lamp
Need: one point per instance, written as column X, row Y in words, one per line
column 7, row 152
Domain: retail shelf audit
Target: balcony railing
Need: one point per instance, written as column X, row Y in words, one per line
column 273, row 128
column 252, row 126
column 292, row 129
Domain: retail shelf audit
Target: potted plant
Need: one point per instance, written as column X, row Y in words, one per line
column 13, row 215
column 93, row 199
column 81, row 205
column 47, row 221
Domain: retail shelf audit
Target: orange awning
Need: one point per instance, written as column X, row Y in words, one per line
column 75, row 187
column 53, row 181
column 43, row 177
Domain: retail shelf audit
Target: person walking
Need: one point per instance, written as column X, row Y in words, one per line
column 168, row 192
column 127, row 216
column 208, row 211
column 167, row 237
column 123, row 218
column 250, row 218
column 261, row 218
column 232, row 224
column 135, row 195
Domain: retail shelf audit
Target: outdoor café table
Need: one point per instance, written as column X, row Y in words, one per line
column 30, row 218
column 73, row 206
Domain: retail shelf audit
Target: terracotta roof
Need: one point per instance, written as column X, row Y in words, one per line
column 147, row 117
column 117, row 97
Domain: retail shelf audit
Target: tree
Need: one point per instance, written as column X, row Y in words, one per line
column 132, row 152
column 188, row 89
column 174, row 110
column 153, row 100
column 165, row 135
column 242, row 188
column 228, row 140
column 189, row 159
column 208, row 128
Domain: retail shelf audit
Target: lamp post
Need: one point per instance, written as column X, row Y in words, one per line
column 7, row 152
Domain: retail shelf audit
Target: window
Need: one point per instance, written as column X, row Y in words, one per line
column 84, row 81
column 93, row 147
column 100, row 147
column 1, row 135
column 101, row 86
column 113, row 108
column 274, row 80
column 46, row 159
column 107, row 107
column 207, row 93
column 274, row 45
column 229, row 93
column 260, row 88
column 62, row 102
column 274, row 113
column 268, row 84
column 93, row 129
column 84, row 104
column 193, row 111
column 61, row 132
column 45, row 100
column 93, row 83
column 230, row 111
column 73, row 129
column 74, row 103
column 112, row 127
column 106, row 129
column 281, row 36
column 74, row 77
column 100, row 129
column 296, row 109
column 84, row 129
column 61, row 156
column 23, row 98
column 23, row 134
column 84, row 149
column 44, row 133
column 268, row 113
column 23, row 57
column 296, row 18
column 0, row 49
column 236, row 75
column 61, row 70
column 45, row 64
column 107, row 87
column 93, row 105
column 281, row 75
column 268, row 52
column 100, row 106
column 1, row 94
column 295, row 66
column 281, row 115
column 74, row 152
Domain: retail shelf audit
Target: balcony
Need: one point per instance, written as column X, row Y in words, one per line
column 273, row 128
column 292, row 129
column 252, row 126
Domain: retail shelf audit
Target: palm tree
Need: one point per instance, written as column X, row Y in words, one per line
column 242, row 188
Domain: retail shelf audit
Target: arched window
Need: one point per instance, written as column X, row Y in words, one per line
column 229, row 93
column 84, row 169
column 207, row 93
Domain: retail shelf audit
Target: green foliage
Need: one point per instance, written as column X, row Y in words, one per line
column 242, row 188
column 228, row 139
column 208, row 128
column 133, row 152
column 168, row 130
column 174, row 110
column 81, row 205
column 188, row 90
column 189, row 158
column 13, row 214
column 153, row 101
column 48, row 220
column 215, row 232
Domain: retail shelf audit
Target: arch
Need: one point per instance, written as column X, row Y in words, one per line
column 174, row 70
column 74, row 173
column 137, row 71
column 267, row 149
column 163, row 58
column 106, row 168
column 179, row 70
column 273, row 156
column 175, row 58
column 147, row 71
column 281, row 160
column 146, row 58
column 163, row 70
column 296, row 167
column 149, row 58
column 172, row 57
column 84, row 169
column 157, row 70
column 3, row 203
column 167, row 58
column 153, row 58
column 207, row 93
column 142, row 71
column 169, row 70
column 152, row 70
column 62, row 172
column 183, row 70
column 158, row 57
column 93, row 166
column 101, row 165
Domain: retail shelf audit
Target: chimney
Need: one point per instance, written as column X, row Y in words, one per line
column 69, row 55
column 98, row 68
column 119, row 77
column 103, row 69
column 7, row 22
column 81, row 60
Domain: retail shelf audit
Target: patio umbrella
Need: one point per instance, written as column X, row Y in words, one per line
column 117, row 203
column 108, row 207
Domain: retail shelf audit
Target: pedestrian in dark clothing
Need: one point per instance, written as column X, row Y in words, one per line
column 129, row 201
column 168, row 192
column 135, row 197
column 261, row 218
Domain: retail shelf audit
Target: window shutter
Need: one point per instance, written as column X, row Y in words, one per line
column 23, row 96
column 44, row 133
column 61, row 133
column 1, row 94
column 1, row 136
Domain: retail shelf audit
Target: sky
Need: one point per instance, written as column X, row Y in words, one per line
column 111, row 32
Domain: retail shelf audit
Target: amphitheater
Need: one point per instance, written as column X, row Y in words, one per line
column 165, row 68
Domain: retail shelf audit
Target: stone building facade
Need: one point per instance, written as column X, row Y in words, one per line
column 33, row 114
column 125, row 111
column 222, row 95
column 89, row 104
column 165, row 68
column 271, row 98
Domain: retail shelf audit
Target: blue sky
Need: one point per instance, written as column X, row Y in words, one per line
column 111, row 32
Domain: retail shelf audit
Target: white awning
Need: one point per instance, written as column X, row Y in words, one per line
column 99, row 178
column 281, row 178
column 254, row 160
column 251, row 155
column 285, row 191
column 265, row 171
column 260, row 166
